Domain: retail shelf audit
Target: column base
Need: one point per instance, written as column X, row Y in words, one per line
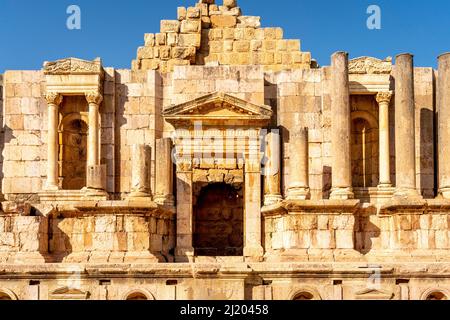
column 184, row 254
column 167, row 201
column 384, row 186
column 272, row 199
column 444, row 193
column 139, row 195
column 254, row 254
column 90, row 192
column 51, row 187
column 342, row 194
column 407, row 193
column 298, row 194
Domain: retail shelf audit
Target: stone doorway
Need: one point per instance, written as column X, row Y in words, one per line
column 219, row 220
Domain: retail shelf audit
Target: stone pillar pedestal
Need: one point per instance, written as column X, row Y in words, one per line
column 96, row 177
column 272, row 170
column 184, row 251
column 405, row 151
column 253, row 249
column 443, row 107
column 140, row 171
column 164, row 173
column 384, row 99
column 298, row 165
column 340, row 129
column 53, row 100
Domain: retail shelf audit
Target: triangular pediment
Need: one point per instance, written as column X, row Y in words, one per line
column 73, row 66
column 66, row 293
column 217, row 106
column 373, row 294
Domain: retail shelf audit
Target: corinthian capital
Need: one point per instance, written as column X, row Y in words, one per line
column 53, row 98
column 384, row 97
column 94, row 97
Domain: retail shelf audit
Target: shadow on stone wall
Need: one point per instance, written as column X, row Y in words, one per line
column 120, row 121
column 326, row 182
column 365, row 231
column 59, row 246
column 427, row 155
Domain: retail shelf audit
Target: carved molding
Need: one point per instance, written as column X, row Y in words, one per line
column 384, row 97
column 53, row 98
column 94, row 97
column 369, row 65
column 73, row 66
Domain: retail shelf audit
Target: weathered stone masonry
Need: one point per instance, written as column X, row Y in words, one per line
column 160, row 182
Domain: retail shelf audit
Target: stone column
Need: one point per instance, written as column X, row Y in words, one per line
column 94, row 99
column 272, row 172
column 164, row 172
column 53, row 100
column 340, row 128
column 184, row 251
column 298, row 165
column 384, row 99
column 140, row 171
column 253, row 249
column 443, row 107
column 405, row 142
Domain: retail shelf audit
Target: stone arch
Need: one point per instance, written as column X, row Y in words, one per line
column 6, row 294
column 305, row 293
column 218, row 222
column 73, row 131
column 435, row 294
column 365, row 150
column 138, row 294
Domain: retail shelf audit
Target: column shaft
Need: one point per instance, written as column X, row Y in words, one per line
column 272, row 172
column 252, row 210
column 184, row 250
column 94, row 99
column 443, row 107
column 54, row 100
column 383, row 99
column 164, row 172
column 405, row 142
column 298, row 165
column 340, row 127
column 140, row 174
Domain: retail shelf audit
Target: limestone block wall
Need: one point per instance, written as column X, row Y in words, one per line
column 25, row 127
column 108, row 128
column 208, row 33
column 190, row 82
column 362, row 236
column 300, row 104
column 138, row 121
column 110, row 238
column 425, row 96
column 310, row 236
column 21, row 237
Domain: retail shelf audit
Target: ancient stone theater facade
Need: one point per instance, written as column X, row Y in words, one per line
column 226, row 164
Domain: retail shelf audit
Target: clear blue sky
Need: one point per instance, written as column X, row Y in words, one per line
column 33, row 31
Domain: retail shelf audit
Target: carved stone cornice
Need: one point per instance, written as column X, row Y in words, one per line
column 369, row 65
column 73, row 66
column 53, row 98
column 384, row 97
column 94, row 97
